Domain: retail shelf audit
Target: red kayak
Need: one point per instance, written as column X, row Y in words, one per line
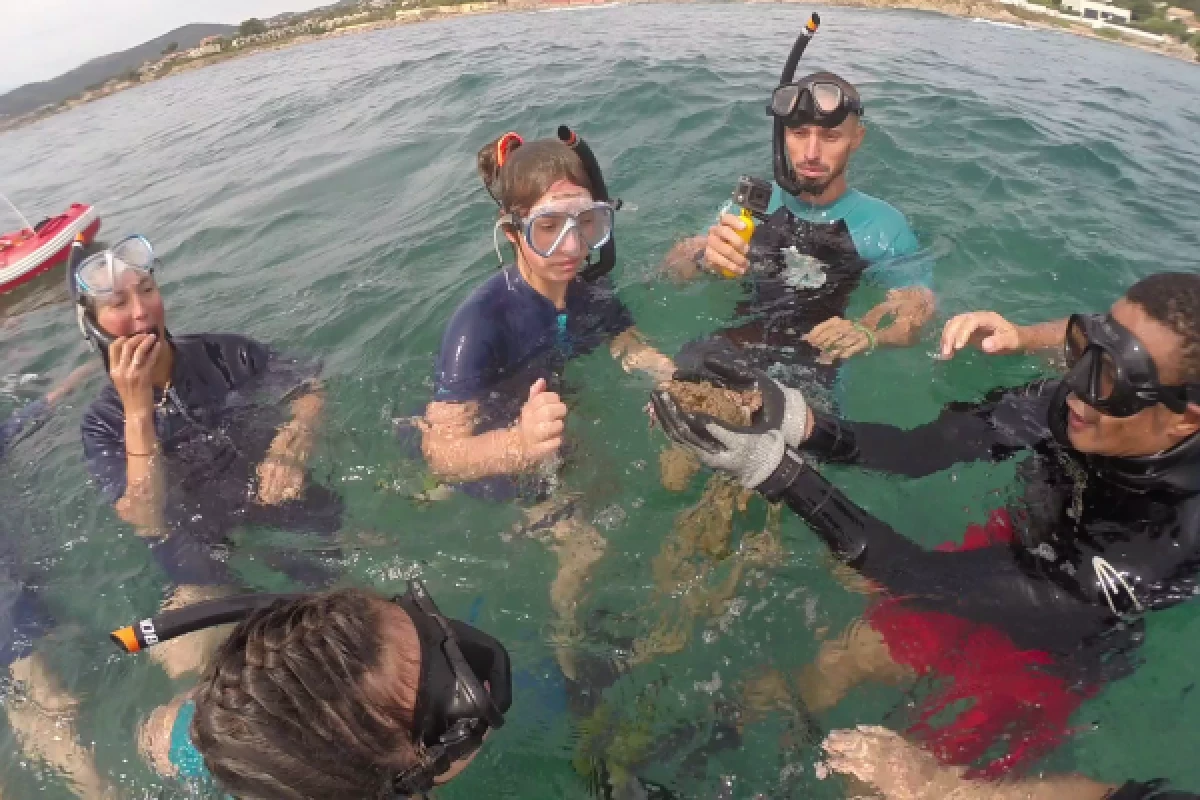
column 29, row 252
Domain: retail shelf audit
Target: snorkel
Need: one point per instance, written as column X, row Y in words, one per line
column 93, row 334
column 784, row 176
column 465, row 684
column 608, row 253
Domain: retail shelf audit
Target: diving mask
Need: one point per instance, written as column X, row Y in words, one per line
column 98, row 274
column 548, row 226
column 821, row 99
column 1111, row 371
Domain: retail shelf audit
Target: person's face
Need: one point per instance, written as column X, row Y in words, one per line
column 135, row 306
column 1151, row 430
column 564, row 264
column 820, row 155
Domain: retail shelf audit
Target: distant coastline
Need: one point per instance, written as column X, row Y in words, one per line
column 1014, row 12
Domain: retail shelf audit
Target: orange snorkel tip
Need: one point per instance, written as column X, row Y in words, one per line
column 126, row 639
column 813, row 23
column 508, row 142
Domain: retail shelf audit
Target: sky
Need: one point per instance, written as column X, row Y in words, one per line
column 41, row 39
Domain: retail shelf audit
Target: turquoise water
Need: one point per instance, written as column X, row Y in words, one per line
column 324, row 198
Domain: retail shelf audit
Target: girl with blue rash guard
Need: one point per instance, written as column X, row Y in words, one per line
column 496, row 416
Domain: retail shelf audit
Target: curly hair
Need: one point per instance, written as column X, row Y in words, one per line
column 1173, row 299
column 312, row 699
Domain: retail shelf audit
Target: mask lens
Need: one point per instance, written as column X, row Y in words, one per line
column 1077, row 342
column 783, row 100
column 136, row 252
column 544, row 230
column 595, row 225
column 827, row 97
column 1106, row 378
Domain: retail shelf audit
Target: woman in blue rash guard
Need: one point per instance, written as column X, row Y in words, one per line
column 496, row 416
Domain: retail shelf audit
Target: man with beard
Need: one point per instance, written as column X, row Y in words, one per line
column 817, row 239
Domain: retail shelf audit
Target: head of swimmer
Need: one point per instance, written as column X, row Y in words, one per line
column 314, row 698
column 133, row 307
column 537, row 175
column 1163, row 314
column 820, row 155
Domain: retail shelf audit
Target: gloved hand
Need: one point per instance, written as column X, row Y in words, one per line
column 783, row 408
column 750, row 454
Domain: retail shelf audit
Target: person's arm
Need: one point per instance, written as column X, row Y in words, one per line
column 896, row 322
column 634, row 353
column 454, row 452
column 898, row 769
column 995, row 335
column 1005, row 422
column 684, row 261
column 131, row 364
column 281, row 473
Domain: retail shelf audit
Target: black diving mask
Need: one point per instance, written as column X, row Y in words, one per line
column 815, row 100
column 454, row 709
column 1111, row 371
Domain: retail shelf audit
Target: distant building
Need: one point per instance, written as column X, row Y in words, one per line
column 1186, row 17
column 210, row 40
column 204, row 50
column 1093, row 9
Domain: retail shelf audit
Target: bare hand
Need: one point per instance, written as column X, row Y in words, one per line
column 987, row 330
column 279, row 479
column 541, row 425
column 839, row 338
column 131, row 362
column 725, row 251
column 892, row 766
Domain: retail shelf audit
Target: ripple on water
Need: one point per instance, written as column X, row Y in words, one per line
column 324, row 198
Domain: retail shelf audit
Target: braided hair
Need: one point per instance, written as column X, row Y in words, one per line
column 312, row 699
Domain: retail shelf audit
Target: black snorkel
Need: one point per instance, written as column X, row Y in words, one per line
column 93, row 334
column 784, row 176
column 593, row 270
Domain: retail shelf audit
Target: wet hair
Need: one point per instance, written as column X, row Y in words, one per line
column 528, row 172
column 305, row 701
column 1173, row 299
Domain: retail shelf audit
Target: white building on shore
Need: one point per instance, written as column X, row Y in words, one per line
column 1098, row 10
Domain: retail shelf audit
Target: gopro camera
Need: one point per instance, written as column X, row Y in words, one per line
column 754, row 195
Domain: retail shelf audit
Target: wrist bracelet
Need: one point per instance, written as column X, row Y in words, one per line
column 151, row 454
column 870, row 334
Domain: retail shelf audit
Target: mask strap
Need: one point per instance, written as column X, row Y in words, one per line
column 508, row 219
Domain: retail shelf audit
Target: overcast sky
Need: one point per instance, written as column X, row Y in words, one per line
column 40, row 39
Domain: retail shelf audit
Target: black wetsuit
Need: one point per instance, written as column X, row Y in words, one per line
column 1079, row 520
column 215, row 422
column 789, row 293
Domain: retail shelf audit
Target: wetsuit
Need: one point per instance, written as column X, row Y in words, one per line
column 805, row 262
column 1034, row 609
column 504, row 337
column 23, row 618
column 215, row 422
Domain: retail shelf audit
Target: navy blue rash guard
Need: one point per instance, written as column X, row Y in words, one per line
column 215, row 424
column 506, row 335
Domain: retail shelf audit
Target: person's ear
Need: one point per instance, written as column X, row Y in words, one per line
column 860, row 130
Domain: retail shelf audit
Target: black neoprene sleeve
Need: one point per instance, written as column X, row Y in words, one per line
column 1005, row 422
column 986, row 585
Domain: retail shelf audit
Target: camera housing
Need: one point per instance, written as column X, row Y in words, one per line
column 754, row 195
